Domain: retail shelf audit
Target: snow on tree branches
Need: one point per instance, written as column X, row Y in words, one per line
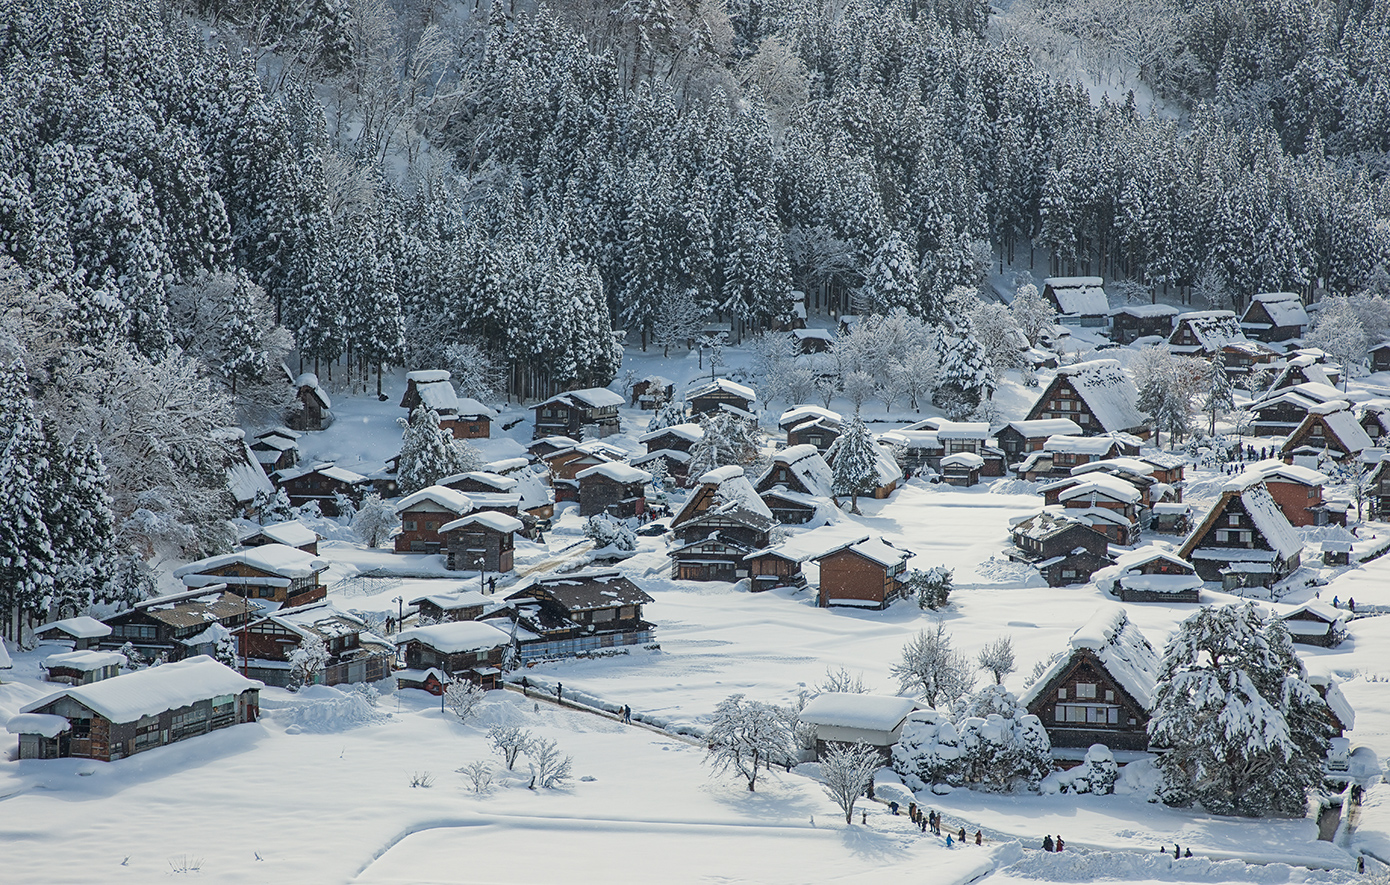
column 931, row 669
column 745, row 735
column 846, row 772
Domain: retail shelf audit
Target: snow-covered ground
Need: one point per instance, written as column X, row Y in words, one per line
column 319, row 791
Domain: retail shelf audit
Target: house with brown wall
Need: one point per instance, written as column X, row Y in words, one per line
column 616, row 488
column 1098, row 395
column 355, row 654
column 471, row 650
column 322, row 483
column 423, row 516
column 866, row 574
column 272, row 572
column 484, row 539
column 1244, row 539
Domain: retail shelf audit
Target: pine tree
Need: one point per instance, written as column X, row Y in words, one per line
column 27, row 565
column 429, row 453
column 891, row 281
column 80, row 524
column 1220, row 395
column 1244, row 732
column 967, row 377
column 854, row 461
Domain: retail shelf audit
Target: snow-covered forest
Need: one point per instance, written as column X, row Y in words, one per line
column 193, row 194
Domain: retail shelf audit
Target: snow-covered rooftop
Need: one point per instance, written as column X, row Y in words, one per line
column 246, row 476
column 722, row 385
column 450, row 499
column 1083, row 296
column 149, row 692
column 456, row 637
column 1274, row 469
column 291, row 534
column 1108, row 392
column 592, row 397
column 1119, row 646
column 1080, row 445
column 618, row 471
column 85, row 661
column 806, row 463
column 963, row 430
column 963, row 459
column 865, row 711
column 1147, row 311
column 44, row 724
column 275, row 559
column 1284, row 308
column 1044, row 427
column 454, row 600
column 492, row 480
column 688, row 431
column 498, row 522
column 468, row 407
column 876, row 550
column 322, row 468
column 797, row 414
column 81, row 627
column 1103, row 485
column 428, row 376
column 311, row 381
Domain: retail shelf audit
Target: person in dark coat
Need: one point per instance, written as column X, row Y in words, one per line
column 961, row 835
column 979, row 837
column 559, row 692
column 1187, row 852
column 1177, row 850
column 1047, row 843
column 1060, row 843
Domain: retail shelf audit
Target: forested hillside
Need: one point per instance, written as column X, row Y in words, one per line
column 192, row 194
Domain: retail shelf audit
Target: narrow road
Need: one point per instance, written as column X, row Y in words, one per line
column 541, row 695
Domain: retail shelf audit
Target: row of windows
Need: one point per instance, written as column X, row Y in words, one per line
column 1091, row 715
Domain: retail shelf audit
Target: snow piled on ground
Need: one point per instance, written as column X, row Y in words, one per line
column 1099, row 866
column 319, row 709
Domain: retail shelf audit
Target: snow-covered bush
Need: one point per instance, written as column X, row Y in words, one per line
column 993, row 744
column 931, row 586
column 375, row 521
column 607, row 532
column 479, row 775
column 307, row 661
column 1097, row 774
column 346, row 507
column 309, row 510
column 549, row 767
column 463, row 697
column 510, row 741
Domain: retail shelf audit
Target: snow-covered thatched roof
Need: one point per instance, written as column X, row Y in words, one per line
column 245, row 474
column 1107, row 391
column 456, row 637
column 968, row 460
column 864, row 711
column 806, row 463
column 1083, row 296
column 1213, row 329
column 1274, row 469
column 153, row 691
column 886, row 466
column 1284, row 309
column 1118, row 645
column 589, row 397
column 1269, row 520
column 688, row 431
column 436, row 393
column 722, row 385
column 291, row 534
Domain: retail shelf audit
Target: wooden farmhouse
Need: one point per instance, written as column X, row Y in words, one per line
column 1151, row 574
column 1378, row 489
column 321, row 483
column 1170, row 518
column 246, row 479
column 1204, row 332
column 962, row 469
column 1374, row 417
column 722, row 521
column 1134, row 321
column 116, row 718
column 1329, row 430
column 1018, row 438
column 584, row 613
column 315, row 408
column 1081, row 300
column 1316, row 623
column 276, row 449
column 1240, row 358
column 671, row 445
column 541, row 449
column 811, row 425
column 591, row 412
column 537, row 504
column 795, row 485
column 722, row 395
column 866, row 574
column 1107, row 504
column 565, row 466
column 781, row 565
column 1274, row 316
column 180, row 625
column 1063, row 550
column 273, row 572
column 1244, row 540
column 1308, row 366
column 810, row 341
column 487, row 490
column 79, row 632
column 918, row 452
column 482, row 540
column 82, row 667
column 458, row 604
column 651, row 391
column 1379, row 356
column 972, row 437
column 844, row 719
column 1339, row 710
column 1100, row 690
column 1298, row 492
column 615, row 488
column 291, row 534
column 1280, row 412
column 471, row 650
column 423, row 515
column 355, row 654
column 431, row 389
column 1098, row 395
column 1060, row 455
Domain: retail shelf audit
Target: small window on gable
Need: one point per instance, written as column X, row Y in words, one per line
column 1085, row 689
column 1061, row 694
column 1110, row 696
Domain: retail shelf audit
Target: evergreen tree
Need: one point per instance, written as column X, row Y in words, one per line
column 429, row 453
column 80, row 524
column 1220, row 395
column 27, row 564
column 1244, row 732
column 967, row 377
column 891, row 281
column 854, row 461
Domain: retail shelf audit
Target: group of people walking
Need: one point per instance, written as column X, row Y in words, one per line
column 931, row 823
column 1050, row 845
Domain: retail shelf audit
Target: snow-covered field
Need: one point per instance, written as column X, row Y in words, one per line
column 319, row 791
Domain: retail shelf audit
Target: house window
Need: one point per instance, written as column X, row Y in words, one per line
column 1061, row 694
column 1083, row 419
column 431, row 525
column 408, row 525
column 1110, row 696
column 604, row 614
column 1233, row 519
